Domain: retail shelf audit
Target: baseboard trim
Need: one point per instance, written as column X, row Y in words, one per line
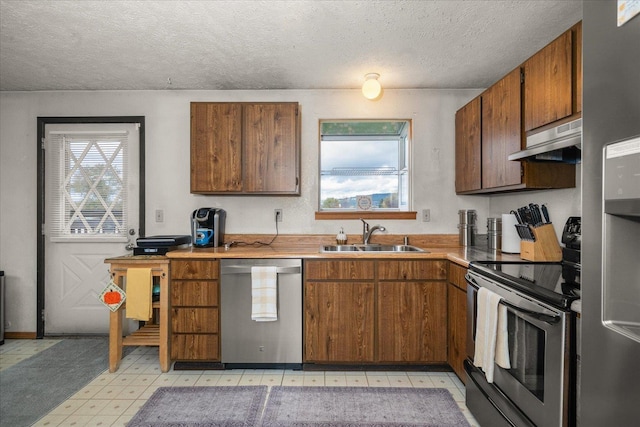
column 20, row 335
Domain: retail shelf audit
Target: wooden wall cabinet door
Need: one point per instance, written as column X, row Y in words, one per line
column 339, row 319
column 411, row 322
column 548, row 83
column 195, row 310
column 501, row 132
column 271, row 148
column 216, row 147
column 245, row 148
column 457, row 316
column 468, row 147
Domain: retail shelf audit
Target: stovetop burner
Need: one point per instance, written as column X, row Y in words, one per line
column 555, row 283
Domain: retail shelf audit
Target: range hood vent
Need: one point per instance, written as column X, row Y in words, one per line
column 560, row 144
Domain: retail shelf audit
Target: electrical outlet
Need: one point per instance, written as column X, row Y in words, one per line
column 426, row 215
column 278, row 214
column 159, row 215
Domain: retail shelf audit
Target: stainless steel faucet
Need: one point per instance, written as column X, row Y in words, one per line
column 368, row 231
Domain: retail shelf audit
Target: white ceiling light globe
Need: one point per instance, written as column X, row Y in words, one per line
column 371, row 88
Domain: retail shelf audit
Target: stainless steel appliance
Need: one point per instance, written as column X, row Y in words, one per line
column 538, row 389
column 610, row 378
column 621, row 234
column 559, row 143
column 245, row 342
column 207, row 227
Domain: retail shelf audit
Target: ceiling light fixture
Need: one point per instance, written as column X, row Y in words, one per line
column 371, row 87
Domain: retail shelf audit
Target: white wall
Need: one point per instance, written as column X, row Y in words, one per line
column 167, row 169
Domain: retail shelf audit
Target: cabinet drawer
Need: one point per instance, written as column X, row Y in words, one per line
column 343, row 269
column 412, row 270
column 195, row 347
column 195, row 320
column 194, row 269
column 194, row 293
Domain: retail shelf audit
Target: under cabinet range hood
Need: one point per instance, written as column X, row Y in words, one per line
column 561, row 144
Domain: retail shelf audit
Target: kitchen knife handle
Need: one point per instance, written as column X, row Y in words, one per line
column 517, row 215
column 545, row 213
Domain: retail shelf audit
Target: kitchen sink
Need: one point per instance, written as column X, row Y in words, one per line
column 370, row 248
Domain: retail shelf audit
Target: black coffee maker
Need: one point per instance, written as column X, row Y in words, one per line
column 207, row 227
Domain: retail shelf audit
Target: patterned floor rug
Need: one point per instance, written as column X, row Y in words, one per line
column 202, row 406
column 361, row 406
column 299, row 407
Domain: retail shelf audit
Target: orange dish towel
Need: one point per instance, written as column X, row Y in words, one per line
column 264, row 293
column 138, row 289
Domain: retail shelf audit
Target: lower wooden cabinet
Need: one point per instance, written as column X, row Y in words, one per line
column 195, row 310
column 339, row 319
column 457, row 313
column 411, row 321
column 366, row 311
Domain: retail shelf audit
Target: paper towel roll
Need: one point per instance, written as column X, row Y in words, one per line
column 510, row 239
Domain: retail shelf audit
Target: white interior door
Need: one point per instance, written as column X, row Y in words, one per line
column 91, row 213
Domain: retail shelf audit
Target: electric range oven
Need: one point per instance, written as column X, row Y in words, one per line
column 539, row 388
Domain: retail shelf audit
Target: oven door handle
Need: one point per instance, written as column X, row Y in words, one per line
column 546, row 318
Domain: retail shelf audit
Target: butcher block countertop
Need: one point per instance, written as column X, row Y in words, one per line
column 308, row 247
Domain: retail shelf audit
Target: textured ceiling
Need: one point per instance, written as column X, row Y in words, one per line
column 147, row 45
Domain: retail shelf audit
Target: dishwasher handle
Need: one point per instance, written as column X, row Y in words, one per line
column 246, row 269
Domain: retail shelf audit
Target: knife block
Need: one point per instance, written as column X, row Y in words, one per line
column 544, row 248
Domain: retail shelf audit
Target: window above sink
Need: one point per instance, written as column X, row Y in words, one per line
column 365, row 169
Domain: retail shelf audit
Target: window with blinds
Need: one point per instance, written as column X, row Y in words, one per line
column 88, row 184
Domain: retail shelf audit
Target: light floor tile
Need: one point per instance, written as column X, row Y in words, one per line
column 378, row 381
column 91, row 407
column 313, row 380
column 208, row 380
column 250, row 379
column 116, row 407
column 271, row 379
column 356, row 380
column 50, row 420
column 293, row 380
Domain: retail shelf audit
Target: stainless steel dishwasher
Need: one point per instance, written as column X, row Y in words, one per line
column 247, row 343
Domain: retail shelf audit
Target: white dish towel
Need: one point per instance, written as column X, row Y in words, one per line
column 491, row 334
column 264, row 293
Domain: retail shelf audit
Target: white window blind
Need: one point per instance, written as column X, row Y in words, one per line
column 89, row 184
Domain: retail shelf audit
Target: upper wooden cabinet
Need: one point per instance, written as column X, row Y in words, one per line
column 553, row 81
column 491, row 126
column 501, row 132
column 245, row 148
column 468, row 149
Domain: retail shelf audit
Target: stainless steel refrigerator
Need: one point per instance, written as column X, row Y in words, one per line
column 609, row 381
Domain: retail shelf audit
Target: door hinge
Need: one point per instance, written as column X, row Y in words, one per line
column 521, row 76
column 43, row 143
column 42, row 315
